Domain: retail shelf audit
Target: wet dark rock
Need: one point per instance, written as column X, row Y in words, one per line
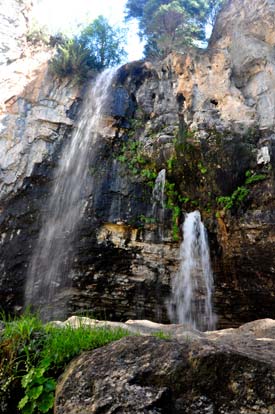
column 149, row 375
column 122, row 106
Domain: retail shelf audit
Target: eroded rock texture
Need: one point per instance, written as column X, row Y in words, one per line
column 225, row 372
column 208, row 118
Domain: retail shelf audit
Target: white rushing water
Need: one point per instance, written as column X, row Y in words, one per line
column 192, row 287
column 48, row 273
column 158, row 197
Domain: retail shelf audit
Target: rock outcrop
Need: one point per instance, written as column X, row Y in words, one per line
column 225, row 372
column 34, row 107
column 208, row 118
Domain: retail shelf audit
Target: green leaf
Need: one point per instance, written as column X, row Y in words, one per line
column 46, row 403
column 254, row 178
column 50, row 385
column 122, row 158
column 27, row 379
column 35, row 392
column 23, row 402
column 29, row 408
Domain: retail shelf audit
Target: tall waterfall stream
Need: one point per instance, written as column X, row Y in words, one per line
column 48, row 273
column 193, row 285
column 158, row 197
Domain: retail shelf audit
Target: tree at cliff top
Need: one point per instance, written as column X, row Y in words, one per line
column 104, row 43
column 98, row 46
column 171, row 25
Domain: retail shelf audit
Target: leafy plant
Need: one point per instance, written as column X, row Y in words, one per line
column 236, row 198
column 20, row 346
column 172, row 203
column 147, row 220
column 170, row 163
column 175, row 219
column 149, row 174
column 137, row 164
column 241, row 193
column 38, row 354
column 37, row 33
column 253, row 177
column 202, row 168
column 39, row 390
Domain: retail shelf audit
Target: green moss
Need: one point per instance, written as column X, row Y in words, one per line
column 170, row 164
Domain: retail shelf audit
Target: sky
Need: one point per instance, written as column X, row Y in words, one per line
column 66, row 15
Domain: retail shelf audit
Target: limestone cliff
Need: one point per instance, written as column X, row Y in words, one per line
column 208, row 118
column 34, row 107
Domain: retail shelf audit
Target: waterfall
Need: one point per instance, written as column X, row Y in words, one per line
column 48, row 278
column 158, row 209
column 158, row 191
column 193, row 285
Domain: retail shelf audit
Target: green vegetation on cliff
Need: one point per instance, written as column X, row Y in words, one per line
column 200, row 174
column 240, row 194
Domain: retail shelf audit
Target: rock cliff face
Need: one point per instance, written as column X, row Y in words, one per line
column 208, row 118
column 34, row 107
column 36, row 114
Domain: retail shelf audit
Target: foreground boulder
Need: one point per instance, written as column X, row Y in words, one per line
column 223, row 372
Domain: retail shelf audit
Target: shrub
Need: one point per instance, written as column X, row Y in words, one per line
column 98, row 46
column 71, row 59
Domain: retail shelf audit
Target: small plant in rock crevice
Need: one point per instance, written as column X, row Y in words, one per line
column 241, row 193
column 235, row 199
column 147, row 220
column 162, row 335
column 253, row 177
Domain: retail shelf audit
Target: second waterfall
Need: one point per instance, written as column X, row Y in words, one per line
column 192, row 287
column 48, row 274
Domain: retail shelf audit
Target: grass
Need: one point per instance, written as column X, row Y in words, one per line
column 33, row 355
column 162, row 335
column 63, row 344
